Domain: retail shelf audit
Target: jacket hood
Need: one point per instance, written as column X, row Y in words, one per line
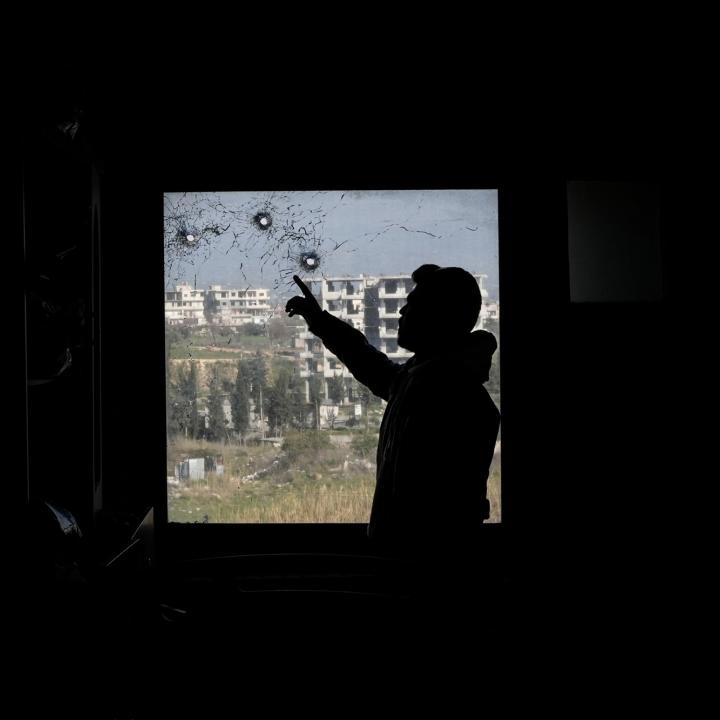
column 478, row 351
column 473, row 355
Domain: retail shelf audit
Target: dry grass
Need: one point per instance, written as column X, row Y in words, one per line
column 493, row 489
column 226, row 500
column 322, row 504
column 327, row 486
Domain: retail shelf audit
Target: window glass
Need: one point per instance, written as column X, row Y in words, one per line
column 263, row 423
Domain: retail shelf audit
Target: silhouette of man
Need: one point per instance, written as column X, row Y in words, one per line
column 440, row 425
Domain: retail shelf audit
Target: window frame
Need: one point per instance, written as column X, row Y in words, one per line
column 181, row 541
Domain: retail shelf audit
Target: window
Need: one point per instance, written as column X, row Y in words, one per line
column 298, row 434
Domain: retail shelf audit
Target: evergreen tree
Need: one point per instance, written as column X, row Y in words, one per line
column 298, row 405
column 314, row 392
column 171, row 394
column 279, row 405
column 217, row 426
column 257, row 377
column 336, row 389
column 191, row 394
column 182, row 403
column 240, row 400
column 368, row 400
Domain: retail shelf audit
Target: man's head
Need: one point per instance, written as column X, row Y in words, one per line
column 443, row 306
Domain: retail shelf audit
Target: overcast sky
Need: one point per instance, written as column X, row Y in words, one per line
column 353, row 232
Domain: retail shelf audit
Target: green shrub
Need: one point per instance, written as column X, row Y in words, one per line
column 305, row 442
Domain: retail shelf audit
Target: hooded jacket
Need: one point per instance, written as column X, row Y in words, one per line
column 436, row 441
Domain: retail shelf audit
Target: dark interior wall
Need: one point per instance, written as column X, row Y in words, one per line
column 614, row 241
column 593, row 459
column 132, row 339
column 534, row 300
column 626, row 430
column 56, row 188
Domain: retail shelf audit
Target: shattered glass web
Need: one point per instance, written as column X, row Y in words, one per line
column 329, row 227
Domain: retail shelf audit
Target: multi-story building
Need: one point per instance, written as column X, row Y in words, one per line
column 216, row 305
column 231, row 306
column 489, row 311
column 372, row 305
column 185, row 306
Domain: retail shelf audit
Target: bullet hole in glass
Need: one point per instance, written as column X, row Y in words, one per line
column 188, row 236
column 263, row 220
column 309, row 261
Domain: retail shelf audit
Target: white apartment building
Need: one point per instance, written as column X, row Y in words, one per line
column 232, row 306
column 185, row 306
column 216, row 305
column 372, row 305
column 489, row 311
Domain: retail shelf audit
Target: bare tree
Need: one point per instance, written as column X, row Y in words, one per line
column 331, row 417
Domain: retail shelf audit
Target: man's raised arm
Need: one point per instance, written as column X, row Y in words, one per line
column 367, row 364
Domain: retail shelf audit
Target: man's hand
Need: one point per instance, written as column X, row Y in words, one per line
column 307, row 306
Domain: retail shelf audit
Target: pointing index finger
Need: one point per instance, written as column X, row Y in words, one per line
column 303, row 287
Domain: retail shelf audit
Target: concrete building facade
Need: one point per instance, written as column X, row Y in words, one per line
column 185, row 306
column 216, row 306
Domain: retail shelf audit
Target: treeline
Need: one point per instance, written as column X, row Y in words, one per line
column 260, row 395
column 263, row 395
column 254, row 393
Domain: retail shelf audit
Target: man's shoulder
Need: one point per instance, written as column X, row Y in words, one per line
column 435, row 384
column 446, row 369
